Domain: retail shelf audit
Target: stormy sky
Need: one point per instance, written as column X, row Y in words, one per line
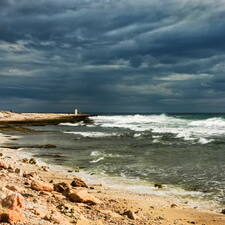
column 112, row 55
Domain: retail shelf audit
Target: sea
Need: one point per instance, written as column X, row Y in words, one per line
column 182, row 153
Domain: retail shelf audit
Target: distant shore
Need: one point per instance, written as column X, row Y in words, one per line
column 39, row 190
column 8, row 118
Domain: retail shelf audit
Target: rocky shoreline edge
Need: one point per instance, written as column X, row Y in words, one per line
column 34, row 194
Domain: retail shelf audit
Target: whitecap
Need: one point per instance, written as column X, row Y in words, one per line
column 103, row 154
column 72, row 124
column 91, row 134
column 204, row 141
column 97, row 160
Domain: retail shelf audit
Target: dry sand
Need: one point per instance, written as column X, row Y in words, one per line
column 112, row 206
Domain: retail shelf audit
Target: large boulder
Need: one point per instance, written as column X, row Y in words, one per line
column 81, row 195
column 41, row 186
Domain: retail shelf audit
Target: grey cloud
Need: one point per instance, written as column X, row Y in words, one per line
column 109, row 55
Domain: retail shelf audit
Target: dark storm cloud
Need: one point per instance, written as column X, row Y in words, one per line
column 120, row 55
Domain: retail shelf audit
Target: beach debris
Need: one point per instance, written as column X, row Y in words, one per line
column 81, row 195
column 61, row 187
column 1, row 154
column 77, row 182
column 41, row 186
column 223, row 211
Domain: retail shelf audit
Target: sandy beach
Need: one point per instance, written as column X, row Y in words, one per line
column 35, row 194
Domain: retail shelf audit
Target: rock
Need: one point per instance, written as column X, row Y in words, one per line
column 25, row 160
column 17, row 170
column 33, row 161
column 13, row 188
column 3, row 165
column 45, row 168
column 130, row 214
column 223, row 211
column 61, row 187
column 11, row 216
column 78, row 183
column 30, row 175
column 49, row 146
column 173, row 206
column 191, row 222
column 13, row 202
column 158, row 185
column 81, row 195
column 10, row 169
column 1, row 154
column 41, row 186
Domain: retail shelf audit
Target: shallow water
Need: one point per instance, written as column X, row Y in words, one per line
column 179, row 151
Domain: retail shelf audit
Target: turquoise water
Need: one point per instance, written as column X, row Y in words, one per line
column 184, row 151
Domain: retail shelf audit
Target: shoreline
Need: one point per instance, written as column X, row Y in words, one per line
column 147, row 209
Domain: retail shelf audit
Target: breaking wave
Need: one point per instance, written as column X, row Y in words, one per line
column 200, row 131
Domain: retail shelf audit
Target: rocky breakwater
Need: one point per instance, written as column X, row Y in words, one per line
column 16, row 119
